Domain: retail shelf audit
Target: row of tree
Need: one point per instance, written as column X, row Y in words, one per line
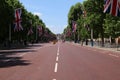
column 7, row 19
column 92, row 22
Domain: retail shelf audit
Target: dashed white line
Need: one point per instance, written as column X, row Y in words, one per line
column 57, row 58
column 56, row 64
column 56, row 67
column 57, row 54
column 114, row 55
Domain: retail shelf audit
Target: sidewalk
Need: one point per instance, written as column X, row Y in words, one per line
column 104, row 48
column 113, row 49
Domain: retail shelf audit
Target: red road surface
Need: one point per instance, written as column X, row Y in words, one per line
column 62, row 61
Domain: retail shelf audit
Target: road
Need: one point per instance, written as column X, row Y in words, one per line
column 62, row 61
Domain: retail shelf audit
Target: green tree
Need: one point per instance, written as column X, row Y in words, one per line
column 95, row 17
column 111, row 26
column 7, row 10
column 74, row 15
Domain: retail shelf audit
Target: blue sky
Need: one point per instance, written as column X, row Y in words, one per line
column 52, row 12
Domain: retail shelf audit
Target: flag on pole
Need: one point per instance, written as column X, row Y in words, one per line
column 74, row 26
column 17, row 23
column 112, row 7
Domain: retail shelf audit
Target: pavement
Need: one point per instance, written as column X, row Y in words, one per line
column 113, row 49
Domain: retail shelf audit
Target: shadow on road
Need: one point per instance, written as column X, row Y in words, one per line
column 9, row 58
column 12, row 61
column 15, row 51
column 20, row 46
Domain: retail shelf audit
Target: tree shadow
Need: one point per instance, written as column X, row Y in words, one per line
column 15, row 51
column 9, row 58
column 12, row 61
column 20, row 46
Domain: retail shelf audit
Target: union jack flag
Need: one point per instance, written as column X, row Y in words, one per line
column 74, row 26
column 112, row 7
column 18, row 26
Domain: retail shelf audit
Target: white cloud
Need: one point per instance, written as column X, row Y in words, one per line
column 38, row 14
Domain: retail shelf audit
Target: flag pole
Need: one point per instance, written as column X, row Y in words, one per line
column 91, row 36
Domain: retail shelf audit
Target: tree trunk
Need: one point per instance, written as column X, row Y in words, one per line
column 102, row 36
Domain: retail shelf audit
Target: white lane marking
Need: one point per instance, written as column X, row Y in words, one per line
column 114, row 55
column 57, row 54
column 56, row 67
column 53, row 79
column 57, row 58
column 22, row 54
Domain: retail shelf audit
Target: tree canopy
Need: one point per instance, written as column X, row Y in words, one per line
column 89, row 16
column 7, row 11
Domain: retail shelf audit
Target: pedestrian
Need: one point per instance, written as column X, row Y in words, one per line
column 86, row 41
column 92, row 43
